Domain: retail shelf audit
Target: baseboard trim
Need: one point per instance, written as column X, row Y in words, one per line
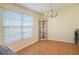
column 26, row 45
column 62, row 41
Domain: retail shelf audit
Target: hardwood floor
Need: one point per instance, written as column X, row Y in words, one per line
column 48, row 47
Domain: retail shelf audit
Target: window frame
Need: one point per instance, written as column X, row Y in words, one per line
column 17, row 26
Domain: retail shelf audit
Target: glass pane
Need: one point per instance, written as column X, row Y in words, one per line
column 27, row 32
column 28, row 20
column 9, row 14
column 12, row 34
column 12, row 18
column 26, row 29
column 27, row 35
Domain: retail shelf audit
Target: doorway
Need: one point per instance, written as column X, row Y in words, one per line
column 42, row 29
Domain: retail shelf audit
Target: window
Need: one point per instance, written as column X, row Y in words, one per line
column 17, row 26
column 27, row 26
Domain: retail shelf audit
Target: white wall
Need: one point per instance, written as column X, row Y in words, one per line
column 61, row 28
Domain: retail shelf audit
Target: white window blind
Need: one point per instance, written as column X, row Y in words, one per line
column 27, row 26
column 17, row 26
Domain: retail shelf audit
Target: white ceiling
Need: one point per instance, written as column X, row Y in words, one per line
column 44, row 7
